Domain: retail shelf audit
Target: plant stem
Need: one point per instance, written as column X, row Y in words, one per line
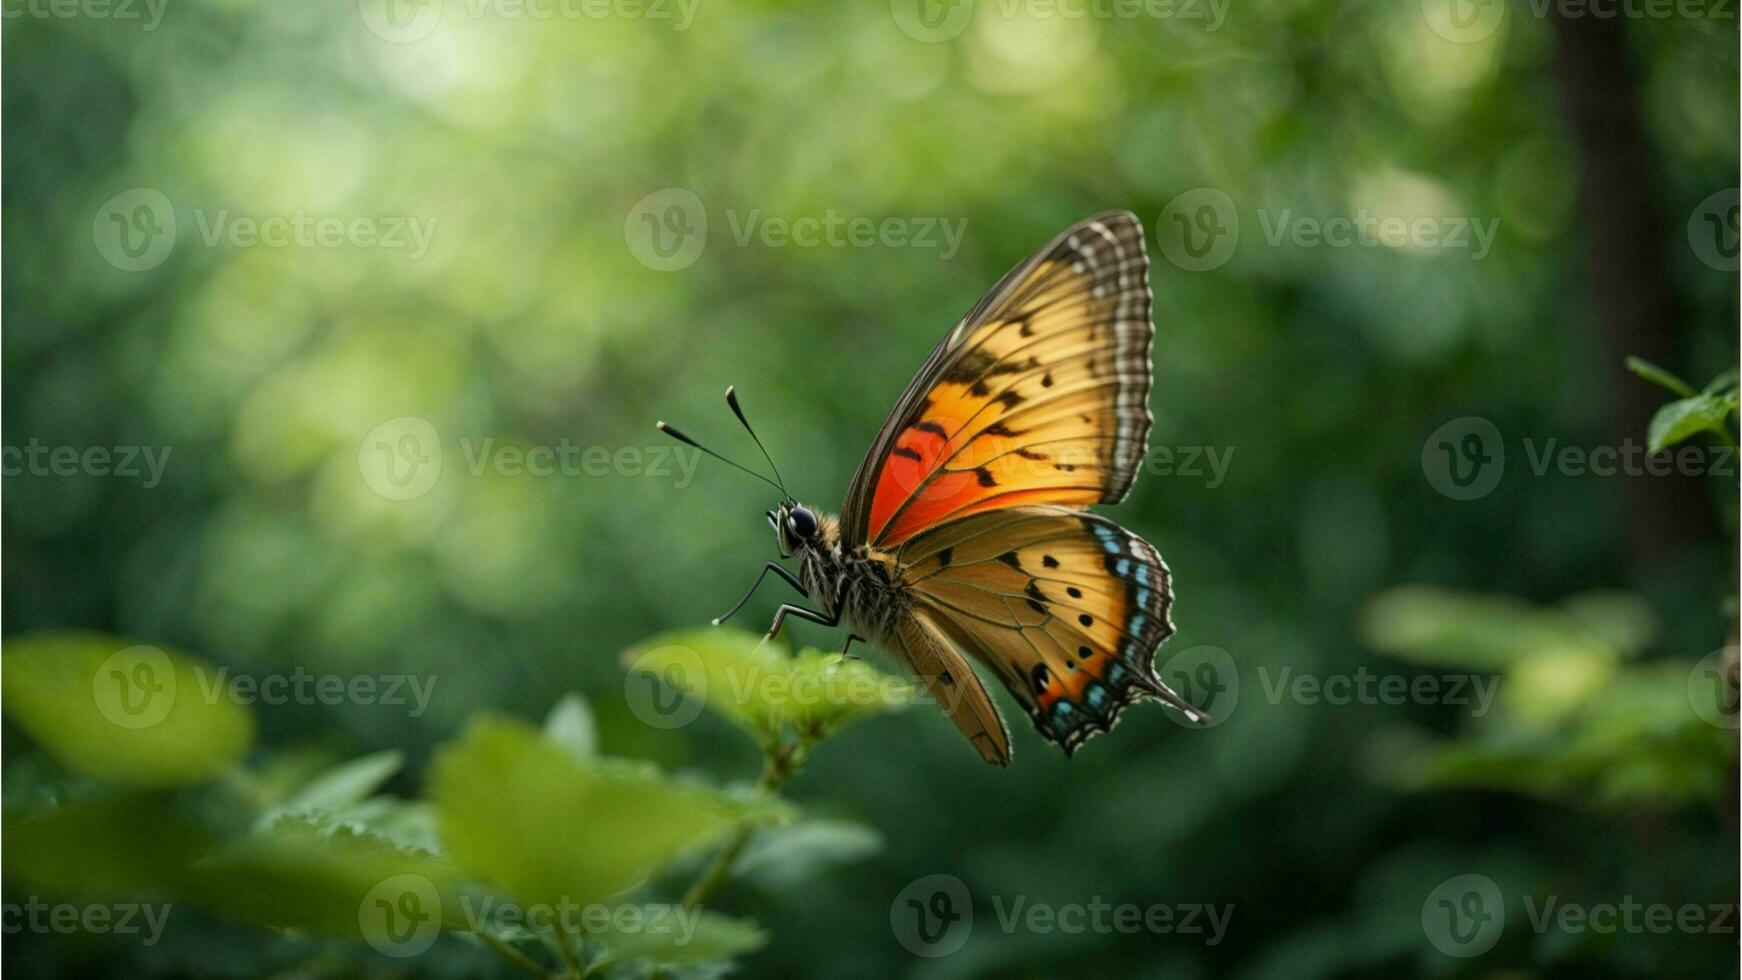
column 778, row 766
column 562, row 943
column 514, row 956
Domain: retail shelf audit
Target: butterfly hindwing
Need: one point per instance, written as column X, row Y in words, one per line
column 1065, row 606
column 1038, row 396
column 954, row 685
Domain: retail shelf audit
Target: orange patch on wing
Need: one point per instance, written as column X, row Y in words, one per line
column 957, row 459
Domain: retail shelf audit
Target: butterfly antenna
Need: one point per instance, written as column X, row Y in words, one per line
column 680, row 437
column 732, row 400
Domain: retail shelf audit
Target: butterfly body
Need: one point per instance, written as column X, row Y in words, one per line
column 860, row 584
column 965, row 533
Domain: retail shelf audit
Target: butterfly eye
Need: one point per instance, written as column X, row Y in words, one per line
column 802, row 522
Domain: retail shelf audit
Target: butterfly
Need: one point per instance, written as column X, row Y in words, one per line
column 965, row 533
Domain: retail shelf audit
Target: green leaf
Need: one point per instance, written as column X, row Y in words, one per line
column 755, row 684
column 1622, row 621
column 408, row 823
column 1681, row 419
column 1657, row 375
column 830, row 692
column 682, row 937
column 1725, row 382
column 104, row 850
column 570, row 725
column 130, row 715
column 1552, row 684
column 303, row 874
column 517, row 810
column 1443, row 628
column 723, row 669
column 340, row 787
column 786, row 857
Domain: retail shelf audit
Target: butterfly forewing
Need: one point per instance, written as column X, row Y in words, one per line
column 1039, row 395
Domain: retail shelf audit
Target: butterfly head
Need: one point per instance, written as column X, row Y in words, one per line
column 796, row 527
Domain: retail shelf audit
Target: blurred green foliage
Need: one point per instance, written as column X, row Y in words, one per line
column 527, row 839
column 523, row 147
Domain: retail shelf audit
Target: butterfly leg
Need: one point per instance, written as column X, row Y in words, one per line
column 791, row 580
column 808, row 615
column 849, row 645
